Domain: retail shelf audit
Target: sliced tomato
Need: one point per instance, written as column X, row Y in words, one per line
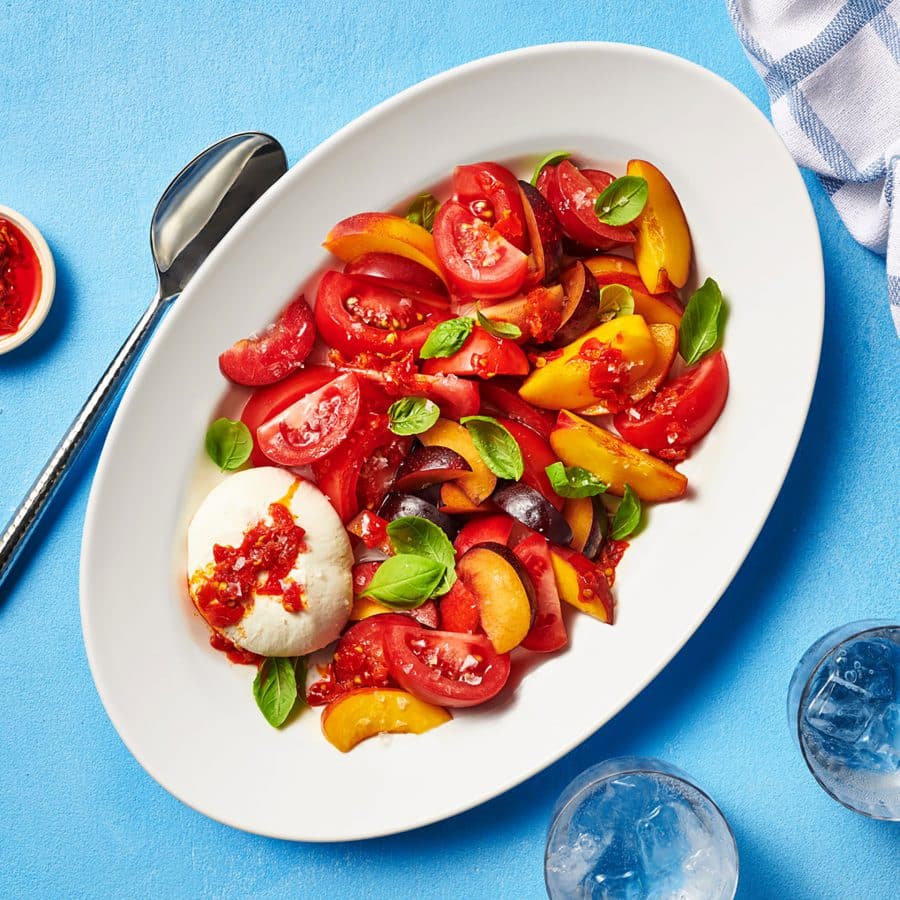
column 443, row 667
column 396, row 270
column 536, row 455
column 312, row 427
column 682, row 412
column 359, row 658
column 483, row 530
column 483, row 355
column 459, row 610
column 503, row 400
column 268, row 401
column 363, row 573
column 548, row 633
column 274, row 354
column 572, row 195
column 378, row 471
column 337, row 475
column 475, row 257
column 362, row 313
column 491, row 192
column 371, row 529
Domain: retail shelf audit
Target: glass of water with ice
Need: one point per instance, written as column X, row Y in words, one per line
column 844, row 709
column 638, row 828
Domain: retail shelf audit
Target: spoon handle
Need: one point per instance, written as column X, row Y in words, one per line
column 26, row 517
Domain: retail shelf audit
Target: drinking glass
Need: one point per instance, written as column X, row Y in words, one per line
column 844, row 711
column 638, row 828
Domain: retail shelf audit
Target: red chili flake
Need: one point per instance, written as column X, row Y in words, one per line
column 610, row 556
column 234, row 653
column 608, row 375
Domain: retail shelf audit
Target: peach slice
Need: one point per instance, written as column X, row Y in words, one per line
column 662, row 250
column 365, row 607
column 577, row 442
column 660, row 309
column 478, row 484
column 588, row 520
column 665, row 337
column 503, row 590
column 455, row 501
column 563, row 382
column 609, row 262
column 365, row 712
column 382, row 233
column 582, row 584
column 531, row 311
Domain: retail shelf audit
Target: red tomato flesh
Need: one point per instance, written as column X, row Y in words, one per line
column 682, row 412
column 459, row 610
column 445, row 668
column 483, row 355
column 483, row 530
column 536, row 455
column 274, row 354
column 396, row 269
column 476, row 257
column 503, row 401
column 548, row 633
column 491, row 192
column 313, row 426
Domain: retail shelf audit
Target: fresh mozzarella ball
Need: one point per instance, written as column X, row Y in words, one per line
column 323, row 570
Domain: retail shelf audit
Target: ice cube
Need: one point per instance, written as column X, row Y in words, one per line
column 840, row 709
column 881, row 741
column 869, row 663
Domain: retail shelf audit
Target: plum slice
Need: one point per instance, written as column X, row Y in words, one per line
column 527, row 506
column 503, row 591
column 429, row 465
column 396, row 506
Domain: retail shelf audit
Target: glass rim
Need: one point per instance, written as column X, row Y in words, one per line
column 653, row 769
column 866, row 626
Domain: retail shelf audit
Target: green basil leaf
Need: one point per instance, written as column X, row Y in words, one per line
column 700, row 323
column 623, row 201
column 229, row 443
column 447, row 338
column 573, row 481
column 496, row 446
column 628, row 515
column 615, row 300
column 551, row 159
column 405, row 581
column 275, row 689
column 499, row 329
column 421, row 537
column 423, row 210
column 412, row 415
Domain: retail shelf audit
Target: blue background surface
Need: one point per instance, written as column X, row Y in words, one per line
column 100, row 104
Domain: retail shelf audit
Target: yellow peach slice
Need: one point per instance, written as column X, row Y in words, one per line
column 578, row 442
column 662, row 250
column 382, row 233
column 581, row 584
column 563, row 382
column 478, row 484
column 366, row 712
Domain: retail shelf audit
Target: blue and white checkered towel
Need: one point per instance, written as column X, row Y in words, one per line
column 832, row 69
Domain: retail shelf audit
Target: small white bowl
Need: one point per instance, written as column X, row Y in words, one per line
column 48, row 281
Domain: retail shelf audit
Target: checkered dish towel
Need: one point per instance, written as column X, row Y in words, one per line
column 832, row 70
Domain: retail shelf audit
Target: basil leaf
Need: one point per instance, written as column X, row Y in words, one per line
column 623, row 201
column 700, row 322
column 551, row 159
column 415, row 535
column 447, row 338
column 573, row 481
column 423, row 210
column 499, row 329
column 496, row 446
column 628, row 515
column 275, row 689
column 405, row 581
column 229, row 443
column 412, row 415
column 615, row 300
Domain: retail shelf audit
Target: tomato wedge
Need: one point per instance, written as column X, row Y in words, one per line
column 548, row 633
column 366, row 314
column 444, row 667
column 572, row 194
column 491, row 192
column 536, row 455
column 268, row 401
column 459, row 610
column 315, row 425
column 483, row 355
column 396, row 270
column 503, row 400
column 475, row 256
column 274, row 354
column 483, row 530
column 682, row 412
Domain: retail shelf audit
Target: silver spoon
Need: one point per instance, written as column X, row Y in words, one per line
column 196, row 211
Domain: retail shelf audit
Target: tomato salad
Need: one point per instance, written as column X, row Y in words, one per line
column 487, row 391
